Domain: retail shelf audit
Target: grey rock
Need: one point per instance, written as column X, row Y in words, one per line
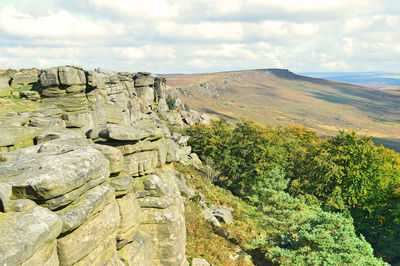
column 155, row 185
column 53, row 92
column 145, row 95
column 157, row 203
column 25, row 79
column 5, row 195
column 18, row 136
column 122, row 185
column 71, row 76
column 205, row 119
column 160, row 88
column 195, row 160
column 142, row 163
column 209, row 216
column 67, row 198
column 49, row 77
column 183, row 140
column 112, row 154
column 69, row 137
column 86, row 238
column 21, row 205
column 130, row 214
column 43, row 176
column 23, row 234
column 222, row 214
column 144, row 79
column 30, row 95
column 126, row 133
column 75, row 89
column 200, row 262
column 104, row 253
column 86, row 206
column 4, row 87
column 139, row 252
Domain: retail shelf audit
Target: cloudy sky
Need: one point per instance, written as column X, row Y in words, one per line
column 186, row 36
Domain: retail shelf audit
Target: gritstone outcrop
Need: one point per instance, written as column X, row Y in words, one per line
column 87, row 178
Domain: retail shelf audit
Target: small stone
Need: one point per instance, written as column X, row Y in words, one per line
column 200, row 262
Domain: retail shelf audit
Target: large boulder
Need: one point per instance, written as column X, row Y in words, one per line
column 49, row 77
column 126, row 133
column 18, row 137
column 23, row 234
column 71, row 76
column 160, row 88
column 25, row 79
column 143, row 79
column 44, row 175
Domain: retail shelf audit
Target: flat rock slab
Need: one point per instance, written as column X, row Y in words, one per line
column 126, row 133
column 87, row 205
column 17, row 136
column 46, row 175
column 22, row 234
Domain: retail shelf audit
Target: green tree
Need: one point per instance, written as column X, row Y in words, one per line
column 171, row 102
column 350, row 173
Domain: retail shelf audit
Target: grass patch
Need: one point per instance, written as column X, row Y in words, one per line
column 17, row 104
column 25, row 88
column 202, row 242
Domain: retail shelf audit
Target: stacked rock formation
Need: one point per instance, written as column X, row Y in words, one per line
column 99, row 187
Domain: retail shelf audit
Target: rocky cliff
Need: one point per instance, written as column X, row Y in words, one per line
column 87, row 178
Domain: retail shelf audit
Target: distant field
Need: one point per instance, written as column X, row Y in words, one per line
column 279, row 97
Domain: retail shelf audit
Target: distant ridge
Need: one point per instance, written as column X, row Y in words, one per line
column 280, row 97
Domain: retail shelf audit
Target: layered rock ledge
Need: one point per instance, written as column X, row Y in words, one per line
column 88, row 178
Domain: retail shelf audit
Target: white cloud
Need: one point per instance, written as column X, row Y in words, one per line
column 201, row 35
column 55, row 25
column 217, row 31
column 149, row 9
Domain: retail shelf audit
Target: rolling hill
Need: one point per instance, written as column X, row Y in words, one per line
column 280, row 97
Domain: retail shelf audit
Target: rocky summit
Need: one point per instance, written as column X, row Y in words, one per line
column 87, row 177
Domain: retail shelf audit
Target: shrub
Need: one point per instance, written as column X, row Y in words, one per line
column 171, row 102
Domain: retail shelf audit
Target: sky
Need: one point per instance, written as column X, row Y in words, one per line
column 192, row 36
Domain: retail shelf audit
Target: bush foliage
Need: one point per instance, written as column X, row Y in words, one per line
column 310, row 190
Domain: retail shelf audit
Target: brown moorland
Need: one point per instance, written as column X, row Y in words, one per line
column 280, row 97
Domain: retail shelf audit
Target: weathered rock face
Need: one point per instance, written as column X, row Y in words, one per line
column 4, row 87
column 99, row 187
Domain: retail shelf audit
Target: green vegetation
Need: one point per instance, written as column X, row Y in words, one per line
column 171, row 102
column 186, row 106
column 201, row 241
column 319, row 198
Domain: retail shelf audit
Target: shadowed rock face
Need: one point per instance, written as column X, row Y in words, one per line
column 98, row 187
